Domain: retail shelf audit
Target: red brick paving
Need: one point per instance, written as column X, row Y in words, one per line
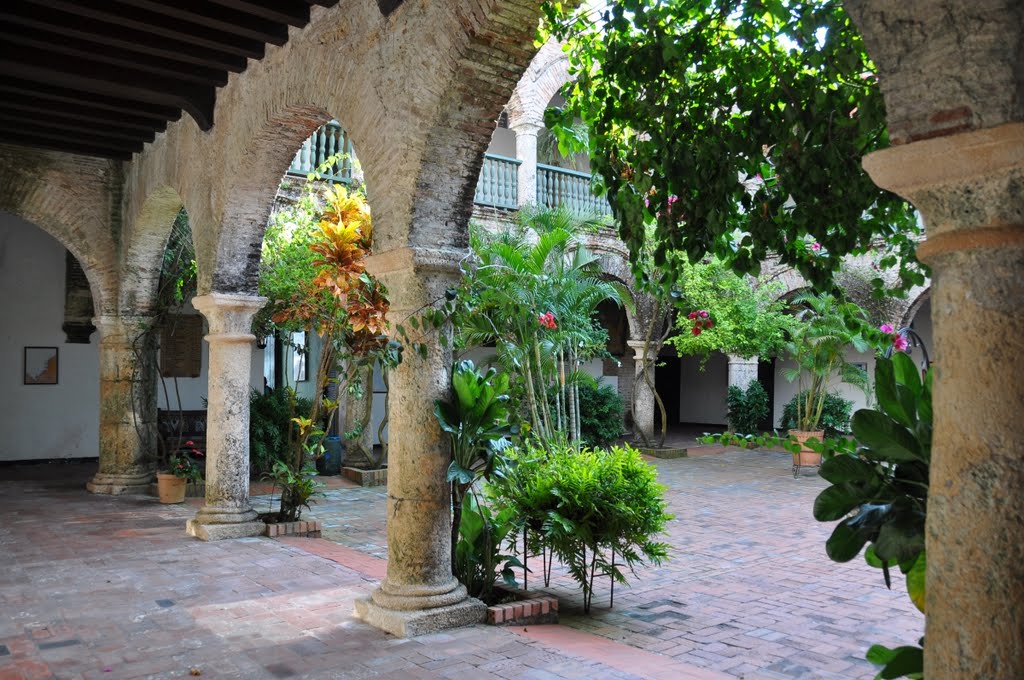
column 96, row 587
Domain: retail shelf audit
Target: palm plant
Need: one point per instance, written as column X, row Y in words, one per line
column 818, row 345
column 534, row 291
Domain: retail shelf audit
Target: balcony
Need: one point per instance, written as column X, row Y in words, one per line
column 498, row 186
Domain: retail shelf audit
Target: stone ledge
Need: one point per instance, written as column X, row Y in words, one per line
column 378, row 477
column 219, row 532
column 529, row 608
column 410, row 623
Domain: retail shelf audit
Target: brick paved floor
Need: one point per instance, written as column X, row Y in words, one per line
column 95, row 587
column 748, row 589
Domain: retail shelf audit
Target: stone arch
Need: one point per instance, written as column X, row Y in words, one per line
column 916, row 299
column 546, row 75
column 615, row 265
column 79, row 219
column 147, row 234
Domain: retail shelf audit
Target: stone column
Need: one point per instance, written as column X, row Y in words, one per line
column 742, row 371
column 526, row 151
column 970, row 189
column 227, row 512
column 419, row 594
column 643, row 394
column 128, row 434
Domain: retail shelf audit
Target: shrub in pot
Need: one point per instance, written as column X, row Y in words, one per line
column 835, row 414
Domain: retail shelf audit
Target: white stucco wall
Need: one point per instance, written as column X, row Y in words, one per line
column 42, row 421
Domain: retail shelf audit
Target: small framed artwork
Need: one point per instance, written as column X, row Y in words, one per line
column 40, row 366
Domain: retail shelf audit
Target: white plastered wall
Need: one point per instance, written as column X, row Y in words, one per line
column 42, row 421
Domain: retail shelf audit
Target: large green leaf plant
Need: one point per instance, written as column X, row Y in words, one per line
column 477, row 420
column 879, row 492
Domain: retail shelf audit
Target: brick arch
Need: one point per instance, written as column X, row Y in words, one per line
column 916, row 299
column 146, row 239
column 69, row 198
column 546, row 75
column 615, row 265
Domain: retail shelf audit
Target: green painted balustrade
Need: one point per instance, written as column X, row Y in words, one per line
column 328, row 141
column 570, row 189
column 498, row 185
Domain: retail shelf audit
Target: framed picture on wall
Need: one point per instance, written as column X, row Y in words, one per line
column 40, row 366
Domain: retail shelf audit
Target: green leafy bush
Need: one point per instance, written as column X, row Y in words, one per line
column 478, row 557
column 835, row 414
column 748, row 409
column 596, row 510
column 600, row 414
column 270, row 419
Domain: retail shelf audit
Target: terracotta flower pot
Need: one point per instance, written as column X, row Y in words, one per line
column 170, row 488
column 806, row 457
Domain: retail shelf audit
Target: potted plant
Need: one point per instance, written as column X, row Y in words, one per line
column 818, row 344
column 182, row 470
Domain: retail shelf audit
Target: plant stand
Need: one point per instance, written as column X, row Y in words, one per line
column 806, row 458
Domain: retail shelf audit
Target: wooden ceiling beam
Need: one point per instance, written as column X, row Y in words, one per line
column 73, row 95
column 36, row 132
column 34, row 38
column 75, row 129
column 152, row 23
column 67, row 146
column 70, row 25
column 36, row 108
column 216, row 17
column 283, row 11
column 133, row 85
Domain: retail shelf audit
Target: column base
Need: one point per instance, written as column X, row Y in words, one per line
column 216, row 524
column 412, row 622
column 219, row 532
column 115, row 484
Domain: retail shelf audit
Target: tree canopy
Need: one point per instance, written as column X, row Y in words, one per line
column 738, row 128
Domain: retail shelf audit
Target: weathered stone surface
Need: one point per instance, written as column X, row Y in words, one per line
column 411, row 623
column 643, row 391
column 742, row 371
column 970, row 190
column 128, row 433
column 227, row 434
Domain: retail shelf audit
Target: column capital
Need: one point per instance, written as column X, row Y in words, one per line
column 526, row 127
column 416, row 276
column 638, row 349
column 739, row 359
column 966, row 185
column 229, row 315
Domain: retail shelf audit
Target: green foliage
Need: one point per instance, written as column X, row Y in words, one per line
column 476, row 419
column 178, row 268
column 601, row 414
column 270, row 421
column 479, row 560
column 748, row 409
column 297, row 488
column 184, row 465
column 748, row 317
column 818, row 345
column 596, row 510
column 835, row 414
column 532, row 292
column 879, row 491
column 738, row 127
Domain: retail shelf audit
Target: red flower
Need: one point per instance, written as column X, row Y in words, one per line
column 695, row 330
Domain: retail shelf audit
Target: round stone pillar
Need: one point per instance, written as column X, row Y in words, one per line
column 128, row 433
column 419, row 594
column 526, row 151
column 643, row 392
column 227, row 512
column 970, row 189
column 742, row 371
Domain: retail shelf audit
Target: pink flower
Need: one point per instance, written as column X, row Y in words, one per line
column 703, row 314
column 899, row 343
column 886, row 328
column 672, row 199
column 815, row 246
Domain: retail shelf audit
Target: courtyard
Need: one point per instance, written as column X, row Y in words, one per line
column 101, row 587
